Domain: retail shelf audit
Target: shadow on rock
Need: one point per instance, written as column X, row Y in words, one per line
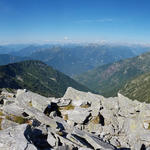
column 37, row 138
column 52, row 108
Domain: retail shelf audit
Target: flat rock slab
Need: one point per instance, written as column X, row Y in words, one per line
column 13, row 138
column 35, row 113
column 93, row 140
column 13, row 109
column 36, row 100
column 24, row 137
column 82, row 97
column 7, row 123
column 78, row 115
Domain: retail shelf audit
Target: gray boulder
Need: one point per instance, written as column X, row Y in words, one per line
column 51, row 139
column 32, row 99
column 78, row 115
column 13, row 138
column 61, row 102
column 78, row 97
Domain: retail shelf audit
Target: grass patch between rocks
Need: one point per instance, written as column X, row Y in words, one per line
column 17, row 119
column 66, row 117
column 149, row 126
column 0, row 123
column 85, row 106
column 1, row 113
column 30, row 103
column 68, row 107
column 96, row 120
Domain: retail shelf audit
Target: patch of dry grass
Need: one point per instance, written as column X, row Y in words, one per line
column 148, row 126
column 68, row 107
column 66, row 117
column 85, row 106
column 30, row 103
column 9, row 96
column 96, row 120
column 1, row 113
column 17, row 119
column 60, row 133
column 0, row 123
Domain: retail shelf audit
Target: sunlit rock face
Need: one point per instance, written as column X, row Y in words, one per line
column 78, row 120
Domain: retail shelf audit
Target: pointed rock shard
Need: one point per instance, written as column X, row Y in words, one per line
column 93, row 140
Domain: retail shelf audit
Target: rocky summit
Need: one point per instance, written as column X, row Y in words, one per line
column 77, row 121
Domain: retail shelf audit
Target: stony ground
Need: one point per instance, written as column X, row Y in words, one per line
column 79, row 120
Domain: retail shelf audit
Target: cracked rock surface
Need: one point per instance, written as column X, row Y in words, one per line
column 77, row 121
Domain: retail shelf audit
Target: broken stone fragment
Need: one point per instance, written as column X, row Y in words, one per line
column 20, row 91
column 41, row 117
column 95, row 141
column 79, row 97
column 63, row 102
column 7, row 94
column 51, row 139
column 13, row 138
column 79, row 115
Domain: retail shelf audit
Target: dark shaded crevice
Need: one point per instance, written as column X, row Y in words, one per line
column 24, row 114
column 143, row 147
column 52, row 107
column 35, row 137
column 102, row 120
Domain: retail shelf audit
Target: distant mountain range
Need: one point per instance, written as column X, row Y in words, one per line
column 109, row 79
column 37, row 77
column 29, row 49
column 7, row 59
column 73, row 59
column 11, row 48
column 76, row 59
column 114, row 74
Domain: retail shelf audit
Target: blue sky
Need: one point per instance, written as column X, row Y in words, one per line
column 75, row 20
